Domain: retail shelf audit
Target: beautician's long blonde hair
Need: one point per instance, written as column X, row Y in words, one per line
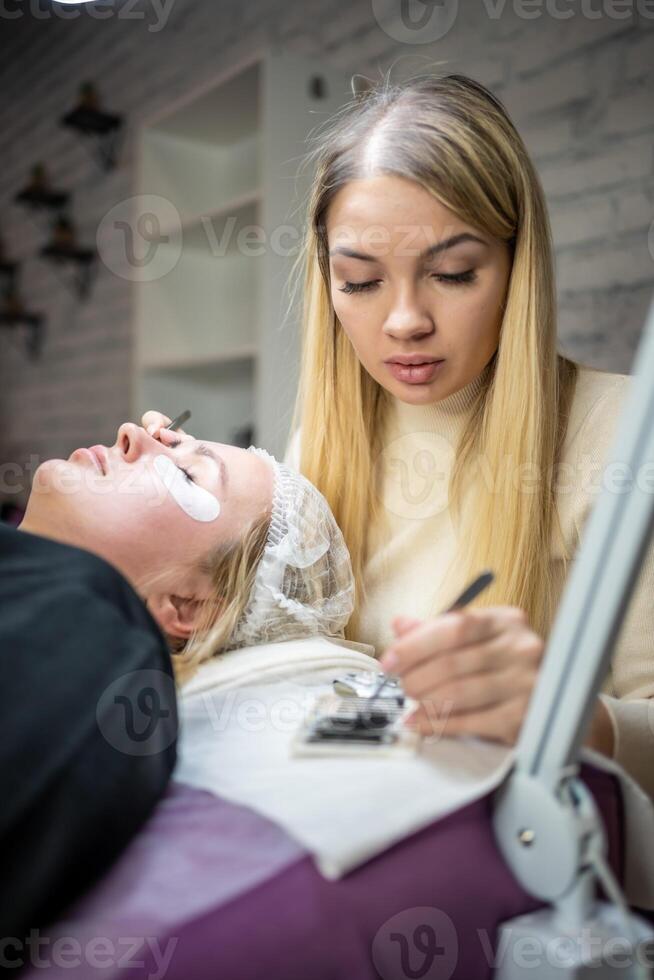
column 454, row 138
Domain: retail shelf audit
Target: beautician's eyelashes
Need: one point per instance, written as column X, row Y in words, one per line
column 453, row 278
column 456, row 278
column 357, row 287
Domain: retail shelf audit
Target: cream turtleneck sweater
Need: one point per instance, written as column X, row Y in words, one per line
column 411, row 552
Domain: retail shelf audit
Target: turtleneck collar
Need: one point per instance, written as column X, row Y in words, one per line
column 445, row 416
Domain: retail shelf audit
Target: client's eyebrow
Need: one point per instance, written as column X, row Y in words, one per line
column 202, row 450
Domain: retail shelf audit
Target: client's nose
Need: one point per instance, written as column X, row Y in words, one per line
column 131, row 440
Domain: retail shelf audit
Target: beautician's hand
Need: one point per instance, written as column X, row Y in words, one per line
column 153, row 421
column 472, row 670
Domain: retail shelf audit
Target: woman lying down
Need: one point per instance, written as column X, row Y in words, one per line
column 227, row 547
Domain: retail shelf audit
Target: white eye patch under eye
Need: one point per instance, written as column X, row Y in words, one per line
column 195, row 501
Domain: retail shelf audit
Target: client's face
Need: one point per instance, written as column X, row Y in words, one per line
column 149, row 504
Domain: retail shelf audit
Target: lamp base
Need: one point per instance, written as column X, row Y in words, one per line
column 539, row 946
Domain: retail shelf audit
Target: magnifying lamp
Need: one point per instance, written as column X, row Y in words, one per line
column 545, row 821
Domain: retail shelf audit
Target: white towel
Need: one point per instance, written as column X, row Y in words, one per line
column 239, row 714
column 271, row 661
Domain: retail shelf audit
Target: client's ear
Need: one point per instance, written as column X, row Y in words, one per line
column 177, row 615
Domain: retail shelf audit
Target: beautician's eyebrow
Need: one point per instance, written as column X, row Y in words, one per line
column 202, row 450
column 427, row 253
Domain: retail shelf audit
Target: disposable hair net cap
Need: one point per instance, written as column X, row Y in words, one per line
column 304, row 584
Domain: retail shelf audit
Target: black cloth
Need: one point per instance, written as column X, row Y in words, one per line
column 89, row 724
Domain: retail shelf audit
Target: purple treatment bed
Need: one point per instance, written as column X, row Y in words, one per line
column 211, row 890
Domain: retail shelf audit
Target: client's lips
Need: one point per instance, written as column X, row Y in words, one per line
column 100, row 455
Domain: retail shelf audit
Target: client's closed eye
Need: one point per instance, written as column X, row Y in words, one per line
column 187, row 473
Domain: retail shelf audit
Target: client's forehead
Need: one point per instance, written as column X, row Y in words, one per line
column 249, row 480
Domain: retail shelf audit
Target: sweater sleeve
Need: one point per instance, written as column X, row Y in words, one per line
column 629, row 691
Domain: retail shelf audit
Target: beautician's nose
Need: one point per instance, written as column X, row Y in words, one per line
column 132, row 440
column 408, row 320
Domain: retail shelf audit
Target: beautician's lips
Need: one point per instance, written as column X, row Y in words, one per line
column 414, row 369
column 412, row 359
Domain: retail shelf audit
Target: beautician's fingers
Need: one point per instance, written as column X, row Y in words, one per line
column 450, row 631
column 404, row 624
column 478, row 692
column 496, row 654
column 499, row 723
column 152, row 419
column 168, row 437
column 155, row 422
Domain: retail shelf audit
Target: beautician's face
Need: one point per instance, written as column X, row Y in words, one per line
column 119, row 505
column 441, row 306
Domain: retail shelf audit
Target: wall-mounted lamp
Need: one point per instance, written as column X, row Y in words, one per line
column 64, row 250
column 38, row 194
column 93, row 122
column 14, row 315
column 8, row 269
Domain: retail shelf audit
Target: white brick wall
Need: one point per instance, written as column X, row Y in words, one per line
column 580, row 89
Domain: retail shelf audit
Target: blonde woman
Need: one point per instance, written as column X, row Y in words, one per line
column 428, row 240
